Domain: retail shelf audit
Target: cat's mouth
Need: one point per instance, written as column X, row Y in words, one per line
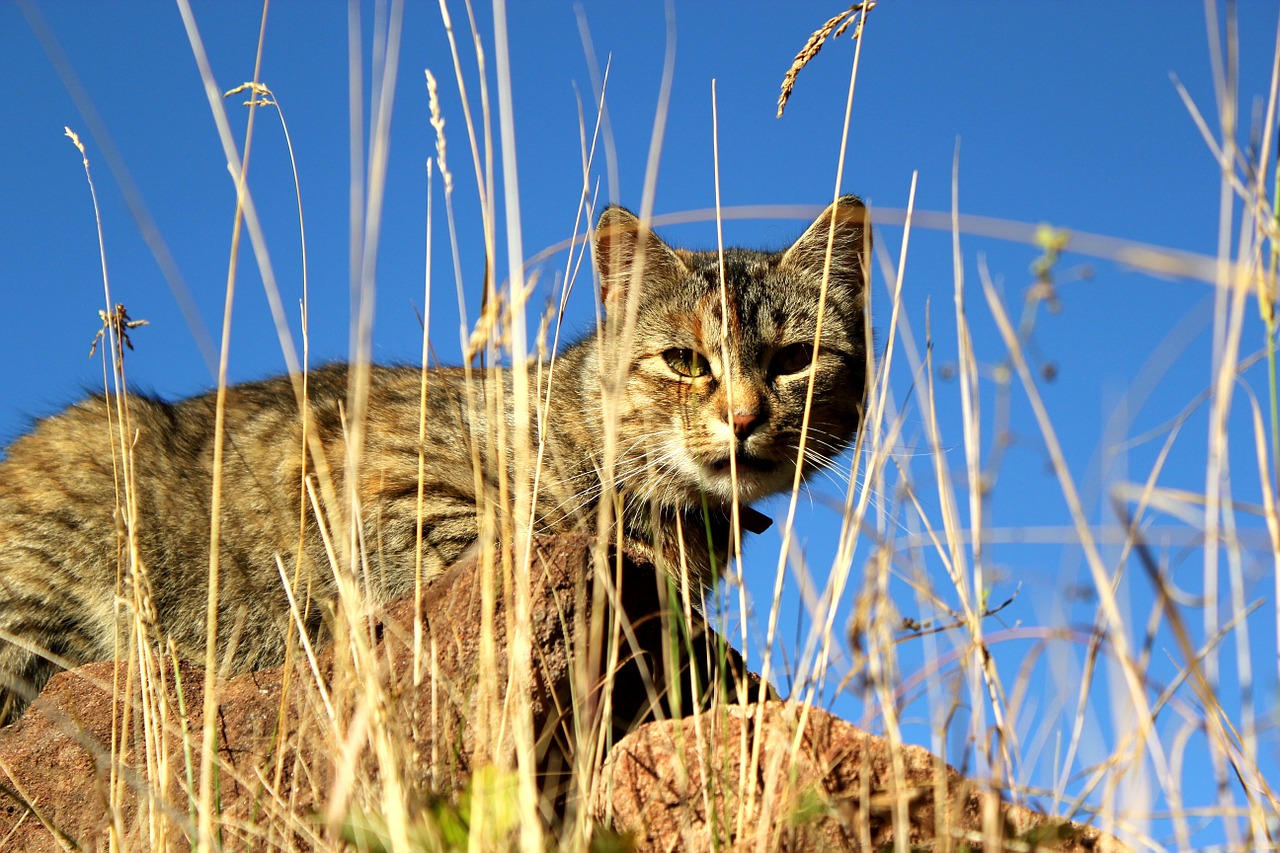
column 743, row 462
column 741, row 477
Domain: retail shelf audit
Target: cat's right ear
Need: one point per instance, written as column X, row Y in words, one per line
column 850, row 244
column 627, row 251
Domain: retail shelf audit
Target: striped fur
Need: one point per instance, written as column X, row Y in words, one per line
column 64, row 546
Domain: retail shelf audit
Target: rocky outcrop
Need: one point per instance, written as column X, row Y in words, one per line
column 783, row 777
column 674, row 778
column 56, row 776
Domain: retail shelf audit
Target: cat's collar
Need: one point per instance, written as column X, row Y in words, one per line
column 753, row 520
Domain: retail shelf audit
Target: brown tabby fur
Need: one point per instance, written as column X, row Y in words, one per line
column 62, row 548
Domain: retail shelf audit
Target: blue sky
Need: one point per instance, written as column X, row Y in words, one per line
column 1063, row 112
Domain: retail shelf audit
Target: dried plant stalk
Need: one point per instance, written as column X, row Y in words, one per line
column 833, row 28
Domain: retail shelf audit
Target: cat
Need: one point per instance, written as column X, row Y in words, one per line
column 668, row 331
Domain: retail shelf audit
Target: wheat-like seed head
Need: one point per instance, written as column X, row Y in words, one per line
column 836, row 25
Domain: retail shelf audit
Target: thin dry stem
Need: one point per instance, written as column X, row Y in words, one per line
column 837, row 25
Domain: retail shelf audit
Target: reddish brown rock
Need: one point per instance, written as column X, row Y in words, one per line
column 716, row 782
column 297, row 762
column 278, row 769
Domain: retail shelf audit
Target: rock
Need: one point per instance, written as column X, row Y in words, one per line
column 817, row 784
column 55, row 765
column 301, row 768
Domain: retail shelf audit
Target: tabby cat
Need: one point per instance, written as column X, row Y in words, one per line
column 701, row 375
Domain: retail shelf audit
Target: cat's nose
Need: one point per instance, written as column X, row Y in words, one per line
column 744, row 422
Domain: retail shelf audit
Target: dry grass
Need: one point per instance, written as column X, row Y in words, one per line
column 910, row 526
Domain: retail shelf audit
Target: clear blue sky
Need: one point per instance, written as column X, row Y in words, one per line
column 1064, row 112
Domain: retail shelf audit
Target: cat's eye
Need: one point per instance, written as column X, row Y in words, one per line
column 794, row 358
column 686, row 362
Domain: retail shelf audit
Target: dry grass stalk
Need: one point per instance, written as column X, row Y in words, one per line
column 833, row 28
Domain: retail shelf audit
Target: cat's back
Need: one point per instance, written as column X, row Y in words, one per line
column 76, row 460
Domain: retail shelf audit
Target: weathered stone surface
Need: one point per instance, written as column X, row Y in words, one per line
column 803, row 782
column 56, row 758
column 285, row 762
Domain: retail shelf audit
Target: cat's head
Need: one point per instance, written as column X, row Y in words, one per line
column 712, row 374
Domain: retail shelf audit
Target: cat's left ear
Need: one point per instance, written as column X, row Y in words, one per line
column 622, row 242
column 850, row 247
